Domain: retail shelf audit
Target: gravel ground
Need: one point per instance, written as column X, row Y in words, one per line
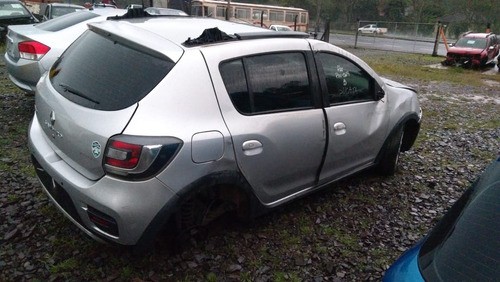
column 350, row 232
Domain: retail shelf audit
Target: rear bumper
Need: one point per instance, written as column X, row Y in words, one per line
column 107, row 209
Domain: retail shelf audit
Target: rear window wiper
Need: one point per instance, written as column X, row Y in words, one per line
column 70, row 89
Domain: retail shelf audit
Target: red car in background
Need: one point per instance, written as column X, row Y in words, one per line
column 473, row 50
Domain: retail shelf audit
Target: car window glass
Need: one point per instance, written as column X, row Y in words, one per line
column 67, row 20
column 60, row 11
column 479, row 43
column 124, row 75
column 267, row 83
column 12, row 9
column 467, row 238
column 345, row 81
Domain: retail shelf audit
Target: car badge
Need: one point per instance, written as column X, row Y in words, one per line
column 96, row 149
column 52, row 118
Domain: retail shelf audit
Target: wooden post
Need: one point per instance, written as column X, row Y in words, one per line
column 228, row 9
column 436, row 41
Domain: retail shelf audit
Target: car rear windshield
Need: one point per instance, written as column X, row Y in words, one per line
column 465, row 245
column 66, row 21
column 103, row 74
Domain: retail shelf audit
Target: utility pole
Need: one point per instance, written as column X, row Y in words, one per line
column 436, row 42
column 228, row 9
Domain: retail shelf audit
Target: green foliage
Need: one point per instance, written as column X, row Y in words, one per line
column 64, row 266
column 211, row 277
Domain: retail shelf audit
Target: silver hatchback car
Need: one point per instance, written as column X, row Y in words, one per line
column 147, row 121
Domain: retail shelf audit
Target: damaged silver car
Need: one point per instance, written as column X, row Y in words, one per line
column 141, row 123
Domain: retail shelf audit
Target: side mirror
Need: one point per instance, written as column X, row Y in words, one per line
column 380, row 94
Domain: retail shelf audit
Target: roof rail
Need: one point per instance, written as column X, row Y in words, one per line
column 213, row 35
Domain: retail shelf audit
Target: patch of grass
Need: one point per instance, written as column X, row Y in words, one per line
column 126, row 273
column 482, row 155
column 12, row 198
column 245, row 277
column 211, row 277
column 417, row 66
column 282, row 277
column 64, row 266
column 381, row 260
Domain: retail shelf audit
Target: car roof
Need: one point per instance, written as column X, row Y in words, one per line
column 66, row 5
column 478, row 35
column 176, row 29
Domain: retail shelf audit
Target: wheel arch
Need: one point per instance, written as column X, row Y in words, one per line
column 411, row 125
column 231, row 185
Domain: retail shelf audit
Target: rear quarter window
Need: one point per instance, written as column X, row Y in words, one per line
column 99, row 73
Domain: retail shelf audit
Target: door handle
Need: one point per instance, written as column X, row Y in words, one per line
column 339, row 128
column 252, row 147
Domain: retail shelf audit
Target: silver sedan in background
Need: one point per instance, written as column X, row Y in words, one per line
column 32, row 49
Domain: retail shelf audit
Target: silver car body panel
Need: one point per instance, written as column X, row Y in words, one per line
column 112, row 196
column 26, row 73
column 185, row 110
column 284, row 137
column 356, row 130
column 78, row 135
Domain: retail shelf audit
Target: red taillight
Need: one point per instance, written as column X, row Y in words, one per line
column 123, row 155
column 139, row 157
column 32, row 50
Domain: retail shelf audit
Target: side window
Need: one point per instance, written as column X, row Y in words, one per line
column 345, row 81
column 267, row 83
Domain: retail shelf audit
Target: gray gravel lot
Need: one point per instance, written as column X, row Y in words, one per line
column 349, row 232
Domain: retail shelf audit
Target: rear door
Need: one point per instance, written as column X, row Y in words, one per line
column 269, row 103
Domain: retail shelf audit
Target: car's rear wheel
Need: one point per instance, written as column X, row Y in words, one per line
column 388, row 163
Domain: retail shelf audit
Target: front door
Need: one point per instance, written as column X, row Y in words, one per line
column 357, row 119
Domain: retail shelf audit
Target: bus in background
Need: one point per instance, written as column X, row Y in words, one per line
column 256, row 14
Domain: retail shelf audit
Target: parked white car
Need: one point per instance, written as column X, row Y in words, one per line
column 373, row 29
column 276, row 27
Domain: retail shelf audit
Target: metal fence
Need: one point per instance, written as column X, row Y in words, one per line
column 406, row 30
column 400, row 36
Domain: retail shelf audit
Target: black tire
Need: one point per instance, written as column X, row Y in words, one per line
column 390, row 157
